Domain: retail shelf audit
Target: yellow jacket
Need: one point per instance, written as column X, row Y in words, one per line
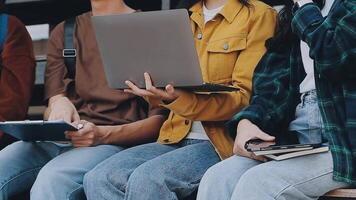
column 229, row 48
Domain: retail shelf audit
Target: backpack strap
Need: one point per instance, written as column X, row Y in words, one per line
column 4, row 21
column 69, row 52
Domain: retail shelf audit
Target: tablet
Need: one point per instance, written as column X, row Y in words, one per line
column 37, row 130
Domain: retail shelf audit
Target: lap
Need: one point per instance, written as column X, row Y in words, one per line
column 78, row 161
column 193, row 161
column 310, row 175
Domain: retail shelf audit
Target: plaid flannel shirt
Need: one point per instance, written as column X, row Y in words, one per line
column 332, row 42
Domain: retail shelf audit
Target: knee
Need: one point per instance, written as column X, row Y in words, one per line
column 254, row 183
column 47, row 176
column 147, row 176
column 211, row 179
column 103, row 179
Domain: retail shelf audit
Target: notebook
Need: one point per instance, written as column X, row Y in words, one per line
column 285, row 156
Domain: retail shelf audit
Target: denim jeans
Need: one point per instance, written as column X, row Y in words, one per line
column 307, row 177
column 151, row 172
column 53, row 171
column 308, row 123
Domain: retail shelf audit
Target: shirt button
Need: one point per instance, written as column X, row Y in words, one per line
column 186, row 122
column 226, row 46
column 200, row 36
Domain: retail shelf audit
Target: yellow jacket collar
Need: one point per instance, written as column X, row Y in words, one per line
column 229, row 12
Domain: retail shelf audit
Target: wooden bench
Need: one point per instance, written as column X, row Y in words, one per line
column 340, row 194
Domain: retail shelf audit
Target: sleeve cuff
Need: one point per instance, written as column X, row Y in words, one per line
column 304, row 17
column 250, row 113
column 180, row 104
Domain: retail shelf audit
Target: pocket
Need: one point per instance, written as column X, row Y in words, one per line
column 222, row 57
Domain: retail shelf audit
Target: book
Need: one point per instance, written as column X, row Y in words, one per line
column 285, row 156
column 37, row 130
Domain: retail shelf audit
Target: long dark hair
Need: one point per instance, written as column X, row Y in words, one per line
column 189, row 3
column 284, row 34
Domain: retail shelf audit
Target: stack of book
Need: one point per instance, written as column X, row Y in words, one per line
column 275, row 151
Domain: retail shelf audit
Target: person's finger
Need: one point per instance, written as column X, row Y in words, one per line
column 251, row 155
column 259, row 158
column 170, row 89
column 137, row 91
column 265, row 137
column 148, row 80
column 129, row 91
column 160, row 93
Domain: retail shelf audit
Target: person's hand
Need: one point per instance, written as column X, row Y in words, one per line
column 247, row 131
column 88, row 134
column 153, row 95
column 62, row 108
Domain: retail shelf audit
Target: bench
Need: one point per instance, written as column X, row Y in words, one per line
column 340, row 194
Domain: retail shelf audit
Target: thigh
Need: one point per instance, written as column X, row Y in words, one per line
column 306, row 177
column 222, row 178
column 119, row 167
column 21, row 162
column 78, row 161
column 181, row 169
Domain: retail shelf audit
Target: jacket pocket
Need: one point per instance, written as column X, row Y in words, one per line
column 222, row 57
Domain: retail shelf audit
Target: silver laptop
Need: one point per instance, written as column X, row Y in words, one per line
column 159, row 42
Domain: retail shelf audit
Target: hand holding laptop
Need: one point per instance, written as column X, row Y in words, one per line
column 152, row 94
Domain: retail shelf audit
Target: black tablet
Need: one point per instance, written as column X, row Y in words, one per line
column 37, row 130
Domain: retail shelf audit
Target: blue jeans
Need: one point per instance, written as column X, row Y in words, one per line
column 306, row 177
column 308, row 123
column 151, row 171
column 53, row 171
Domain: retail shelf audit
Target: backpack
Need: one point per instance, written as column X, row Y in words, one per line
column 4, row 21
column 69, row 52
column 3, row 29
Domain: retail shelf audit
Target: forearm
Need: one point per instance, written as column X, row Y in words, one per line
column 208, row 107
column 139, row 132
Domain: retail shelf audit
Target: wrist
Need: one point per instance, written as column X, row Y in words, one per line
column 55, row 99
column 105, row 133
column 244, row 121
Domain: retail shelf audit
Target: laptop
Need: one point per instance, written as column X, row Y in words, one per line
column 158, row 42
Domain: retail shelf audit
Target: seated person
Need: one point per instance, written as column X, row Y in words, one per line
column 305, row 84
column 17, row 71
column 229, row 43
column 112, row 119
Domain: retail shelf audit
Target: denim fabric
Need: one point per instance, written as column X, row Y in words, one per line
column 55, row 171
column 152, row 171
column 308, row 122
column 306, row 177
column 240, row 178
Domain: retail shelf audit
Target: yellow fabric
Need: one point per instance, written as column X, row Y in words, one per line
column 229, row 48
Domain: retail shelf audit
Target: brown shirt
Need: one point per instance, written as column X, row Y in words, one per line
column 17, row 73
column 94, row 100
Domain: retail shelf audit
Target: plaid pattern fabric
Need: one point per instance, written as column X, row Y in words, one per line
column 332, row 42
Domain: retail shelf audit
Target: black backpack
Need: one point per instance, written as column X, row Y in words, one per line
column 69, row 51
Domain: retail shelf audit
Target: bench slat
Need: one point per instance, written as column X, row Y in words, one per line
column 346, row 193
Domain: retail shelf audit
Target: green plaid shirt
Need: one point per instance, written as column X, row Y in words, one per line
column 332, row 42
